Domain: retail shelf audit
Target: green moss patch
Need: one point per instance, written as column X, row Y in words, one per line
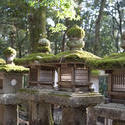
column 75, row 56
column 95, row 72
column 116, row 60
column 13, row 68
column 68, row 56
column 41, row 57
column 9, row 51
column 76, row 31
column 2, row 61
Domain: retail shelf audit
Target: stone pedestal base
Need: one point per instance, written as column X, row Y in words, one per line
column 73, row 116
column 8, row 115
column 39, row 113
column 91, row 120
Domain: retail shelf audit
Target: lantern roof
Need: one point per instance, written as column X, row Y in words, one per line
column 113, row 61
column 75, row 56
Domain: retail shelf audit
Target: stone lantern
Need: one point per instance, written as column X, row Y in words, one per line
column 41, row 75
column 11, row 80
column 74, row 74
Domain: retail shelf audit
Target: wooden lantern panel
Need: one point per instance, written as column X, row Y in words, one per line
column 33, row 74
column 66, row 73
column 45, row 76
column 118, row 81
column 1, row 83
column 81, row 75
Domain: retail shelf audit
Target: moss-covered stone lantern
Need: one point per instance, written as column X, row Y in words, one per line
column 11, row 80
column 74, row 72
column 41, row 74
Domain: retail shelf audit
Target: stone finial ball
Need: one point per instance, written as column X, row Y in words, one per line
column 43, row 45
column 9, row 52
column 76, row 32
column 44, row 42
column 123, row 35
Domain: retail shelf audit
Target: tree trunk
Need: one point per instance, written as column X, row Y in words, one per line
column 98, row 26
column 37, row 22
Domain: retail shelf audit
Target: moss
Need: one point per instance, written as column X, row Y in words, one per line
column 75, row 56
column 115, row 60
column 44, row 49
column 76, row 31
column 41, row 57
column 68, row 56
column 13, row 68
column 2, row 62
column 95, row 72
column 29, row 91
column 61, row 95
column 9, row 51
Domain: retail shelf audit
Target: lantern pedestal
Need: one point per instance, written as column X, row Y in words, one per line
column 39, row 113
column 73, row 116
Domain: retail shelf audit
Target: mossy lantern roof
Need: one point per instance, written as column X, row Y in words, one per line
column 11, row 67
column 75, row 56
column 113, row 61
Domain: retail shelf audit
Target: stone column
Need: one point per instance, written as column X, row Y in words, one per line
column 10, row 115
column 39, row 113
column 91, row 118
column 73, row 116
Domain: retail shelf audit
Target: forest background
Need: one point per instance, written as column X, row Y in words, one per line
column 23, row 22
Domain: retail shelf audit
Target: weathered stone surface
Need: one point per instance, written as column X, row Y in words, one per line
column 73, row 116
column 9, row 99
column 39, row 113
column 10, row 115
column 91, row 120
column 111, row 111
column 61, row 98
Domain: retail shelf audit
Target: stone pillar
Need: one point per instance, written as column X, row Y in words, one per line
column 39, row 113
column 73, row 116
column 91, row 118
column 10, row 115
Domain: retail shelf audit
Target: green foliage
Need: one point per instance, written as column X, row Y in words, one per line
column 59, row 27
column 13, row 68
column 76, row 32
column 9, row 51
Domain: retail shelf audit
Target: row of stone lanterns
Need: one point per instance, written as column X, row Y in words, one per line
column 74, row 87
